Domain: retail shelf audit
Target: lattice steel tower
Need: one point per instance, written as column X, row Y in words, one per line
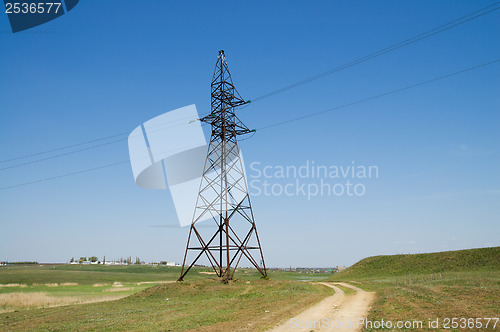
column 223, row 194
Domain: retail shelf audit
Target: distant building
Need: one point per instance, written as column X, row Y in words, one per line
column 112, row 263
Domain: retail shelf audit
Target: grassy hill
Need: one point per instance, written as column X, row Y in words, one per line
column 471, row 260
column 418, row 287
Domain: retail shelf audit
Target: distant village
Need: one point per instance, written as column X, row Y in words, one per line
column 122, row 261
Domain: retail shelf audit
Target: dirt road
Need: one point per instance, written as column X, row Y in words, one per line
column 338, row 312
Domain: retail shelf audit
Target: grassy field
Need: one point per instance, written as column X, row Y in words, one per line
column 25, row 287
column 454, row 284
column 88, row 274
column 415, row 288
column 54, row 297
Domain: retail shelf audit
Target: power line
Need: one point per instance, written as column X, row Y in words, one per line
column 392, row 48
column 282, row 122
column 63, row 148
column 378, row 96
column 439, row 29
column 83, row 143
column 65, row 175
column 152, row 130
column 60, row 155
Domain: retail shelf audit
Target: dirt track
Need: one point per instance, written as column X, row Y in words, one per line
column 335, row 313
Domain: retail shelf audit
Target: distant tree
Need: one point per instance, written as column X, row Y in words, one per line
column 93, row 259
column 104, row 260
column 83, row 259
column 163, row 263
column 129, row 260
column 72, row 260
column 137, row 261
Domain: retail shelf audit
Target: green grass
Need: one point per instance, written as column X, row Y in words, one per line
column 89, row 274
column 252, row 274
column 201, row 302
column 75, row 290
column 206, row 305
column 451, row 284
column 463, row 283
column 48, row 284
column 348, row 291
column 62, row 295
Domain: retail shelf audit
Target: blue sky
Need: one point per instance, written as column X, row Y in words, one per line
column 108, row 66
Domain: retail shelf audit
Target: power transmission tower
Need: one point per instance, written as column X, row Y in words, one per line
column 223, row 194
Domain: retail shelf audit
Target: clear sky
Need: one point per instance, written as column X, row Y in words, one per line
column 107, row 66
